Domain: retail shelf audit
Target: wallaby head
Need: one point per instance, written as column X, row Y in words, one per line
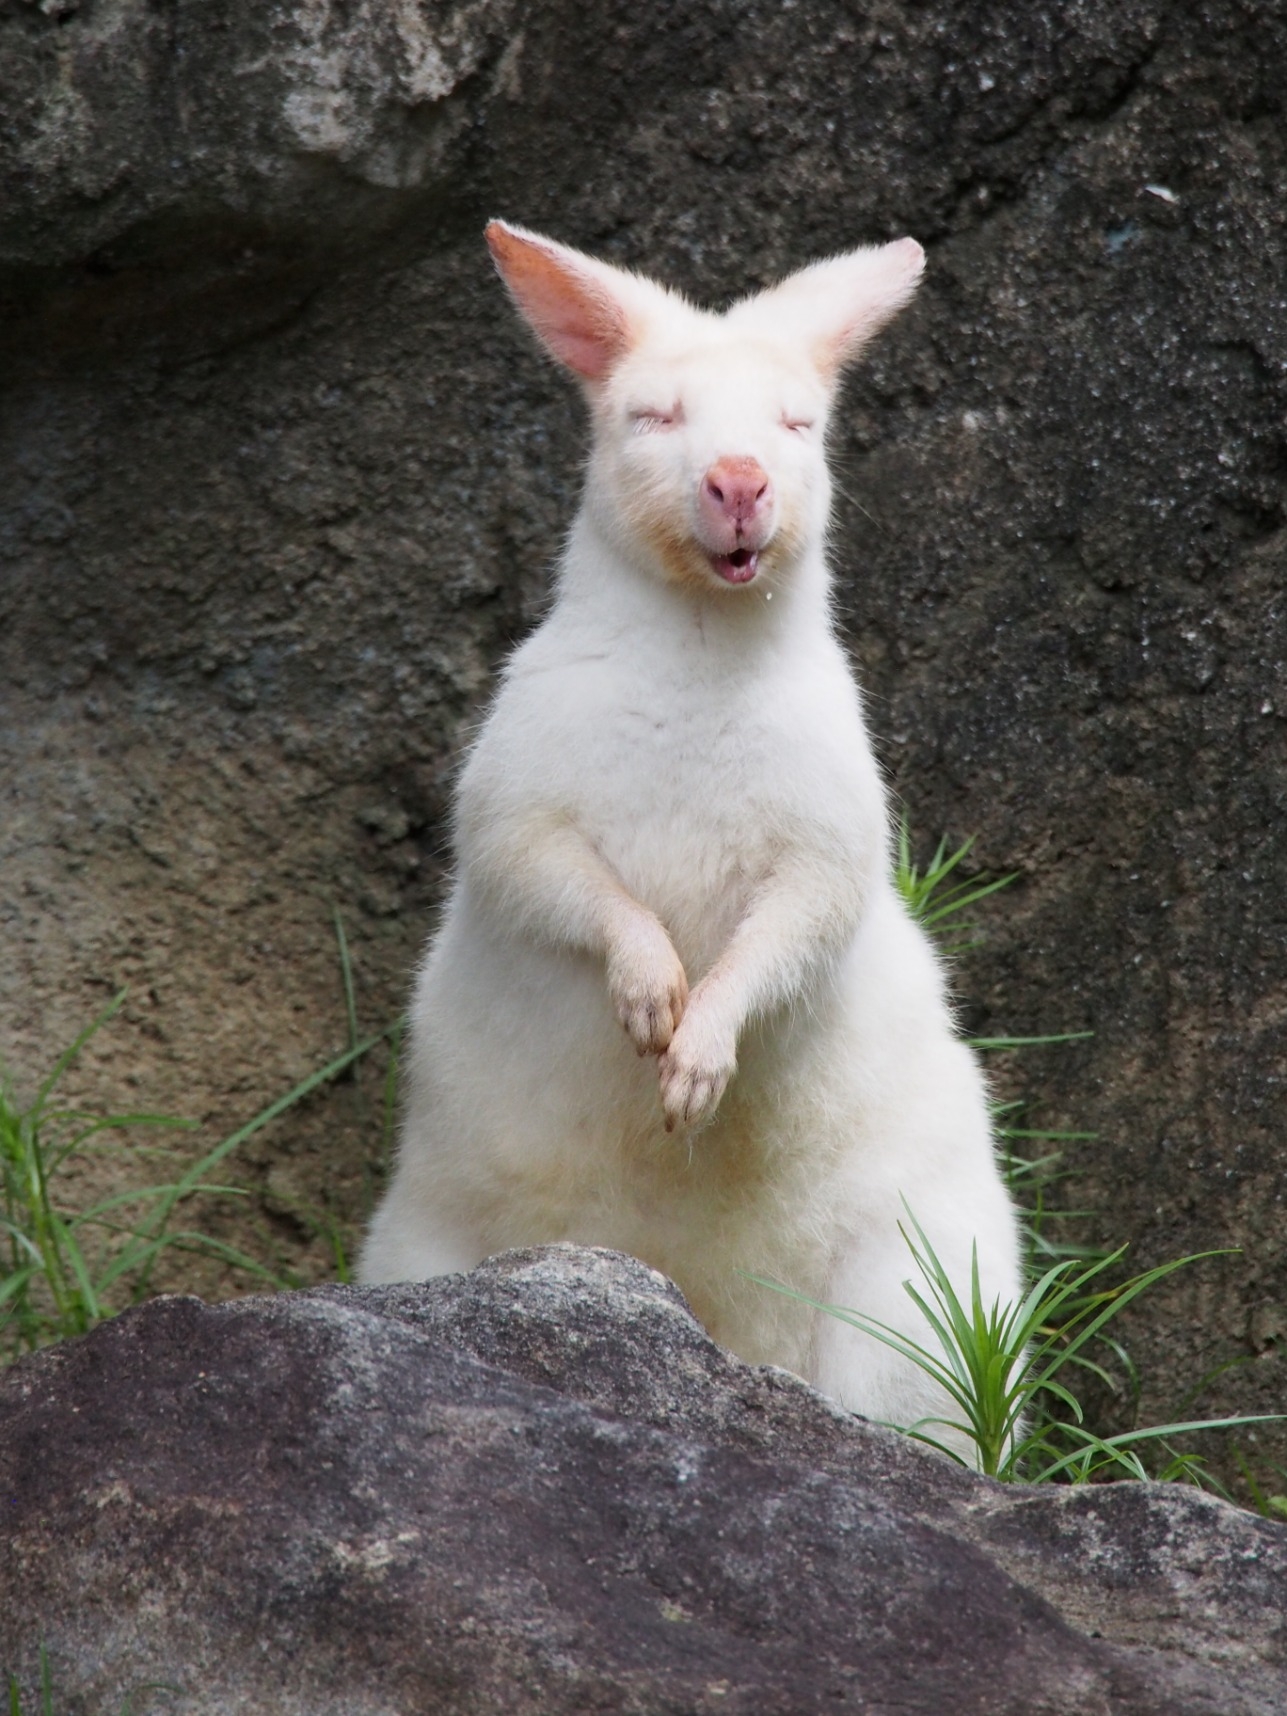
column 707, row 465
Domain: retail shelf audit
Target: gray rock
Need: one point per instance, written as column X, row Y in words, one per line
column 282, row 477
column 122, row 119
column 540, row 1487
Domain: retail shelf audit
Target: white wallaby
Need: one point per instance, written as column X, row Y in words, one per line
column 675, row 1004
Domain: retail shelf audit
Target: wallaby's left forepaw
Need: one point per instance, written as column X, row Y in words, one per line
column 695, row 1070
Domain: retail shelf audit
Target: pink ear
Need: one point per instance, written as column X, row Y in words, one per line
column 833, row 308
column 871, row 288
column 568, row 299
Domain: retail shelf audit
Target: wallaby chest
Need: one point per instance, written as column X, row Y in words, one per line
column 686, row 772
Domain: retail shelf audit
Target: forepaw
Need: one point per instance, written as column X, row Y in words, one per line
column 649, row 990
column 694, row 1071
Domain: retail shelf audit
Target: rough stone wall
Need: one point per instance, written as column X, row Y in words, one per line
column 283, row 478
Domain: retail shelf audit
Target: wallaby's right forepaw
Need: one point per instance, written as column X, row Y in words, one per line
column 648, row 988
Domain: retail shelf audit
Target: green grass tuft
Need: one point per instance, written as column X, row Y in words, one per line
column 63, row 1268
column 937, row 893
column 1006, row 1368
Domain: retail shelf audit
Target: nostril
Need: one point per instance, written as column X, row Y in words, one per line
column 737, row 488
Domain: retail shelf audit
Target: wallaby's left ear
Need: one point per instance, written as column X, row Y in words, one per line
column 835, row 307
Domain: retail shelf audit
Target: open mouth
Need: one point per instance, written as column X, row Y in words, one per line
column 739, row 567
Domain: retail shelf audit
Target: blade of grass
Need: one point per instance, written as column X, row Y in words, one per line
column 1107, row 1444
column 187, row 1184
column 1028, row 1042
column 70, row 1053
column 346, row 977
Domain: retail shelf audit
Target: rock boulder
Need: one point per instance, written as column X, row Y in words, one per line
column 541, row 1488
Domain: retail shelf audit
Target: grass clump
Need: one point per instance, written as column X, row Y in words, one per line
column 1006, row 1369
column 937, row 893
column 64, row 1268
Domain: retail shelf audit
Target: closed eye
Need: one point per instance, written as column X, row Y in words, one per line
column 647, row 420
column 798, row 425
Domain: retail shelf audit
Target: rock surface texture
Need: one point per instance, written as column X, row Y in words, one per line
column 541, row 1488
column 283, row 477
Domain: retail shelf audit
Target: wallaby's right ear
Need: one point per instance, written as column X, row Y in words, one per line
column 586, row 312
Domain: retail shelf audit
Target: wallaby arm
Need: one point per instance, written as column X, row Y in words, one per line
column 542, row 877
column 801, row 916
column 803, row 913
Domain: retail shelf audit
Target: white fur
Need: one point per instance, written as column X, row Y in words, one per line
column 672, row 821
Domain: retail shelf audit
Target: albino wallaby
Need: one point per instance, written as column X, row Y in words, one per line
column 675, row 1004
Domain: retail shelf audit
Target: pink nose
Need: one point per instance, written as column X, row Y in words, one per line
column 737, row 490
